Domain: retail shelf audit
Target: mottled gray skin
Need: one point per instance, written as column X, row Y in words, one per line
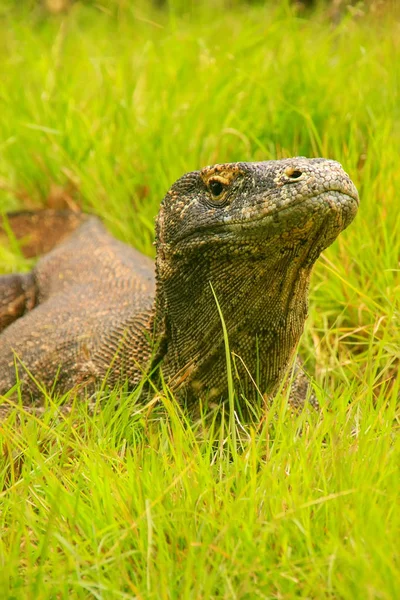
column 93, row 306
column 252, row 231
column 256, row 244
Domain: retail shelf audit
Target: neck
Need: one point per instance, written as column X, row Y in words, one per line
column 263, row 299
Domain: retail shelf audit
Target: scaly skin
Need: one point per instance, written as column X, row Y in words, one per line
column 93, row 308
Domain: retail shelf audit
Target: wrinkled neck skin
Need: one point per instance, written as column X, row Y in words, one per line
column 262, row 292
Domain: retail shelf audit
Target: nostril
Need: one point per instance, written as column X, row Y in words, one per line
column 293, row 173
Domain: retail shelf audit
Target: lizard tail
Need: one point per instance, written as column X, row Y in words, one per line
column 36, row 232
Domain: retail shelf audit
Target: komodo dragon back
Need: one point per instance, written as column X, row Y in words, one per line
column 37, row 232
column 85, row 306
column 95, row 308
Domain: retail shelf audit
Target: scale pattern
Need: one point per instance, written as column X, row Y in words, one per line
column 247, row 232
column 93, row 306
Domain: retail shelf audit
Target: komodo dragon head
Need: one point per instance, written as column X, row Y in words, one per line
column 250, row 233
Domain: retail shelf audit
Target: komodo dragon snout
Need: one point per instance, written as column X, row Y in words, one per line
column 247, row 232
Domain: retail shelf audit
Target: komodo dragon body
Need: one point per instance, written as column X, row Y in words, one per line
column 247, row 234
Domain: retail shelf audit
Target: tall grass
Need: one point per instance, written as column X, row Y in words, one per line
column 102, row 107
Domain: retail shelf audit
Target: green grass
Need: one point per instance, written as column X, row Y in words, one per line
column 104, row 107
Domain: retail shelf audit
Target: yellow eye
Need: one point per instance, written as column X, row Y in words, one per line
column 216, row 187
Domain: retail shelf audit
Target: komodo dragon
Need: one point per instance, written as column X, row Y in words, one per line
column 93, row 307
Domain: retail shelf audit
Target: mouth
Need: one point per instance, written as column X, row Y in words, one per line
column 334, row 204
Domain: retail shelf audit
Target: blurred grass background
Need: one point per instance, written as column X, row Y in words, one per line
column 102, row 106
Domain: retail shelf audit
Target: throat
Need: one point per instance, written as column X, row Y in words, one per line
column 264, row 307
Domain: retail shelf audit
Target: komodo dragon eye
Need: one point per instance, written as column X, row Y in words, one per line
column 216, row 187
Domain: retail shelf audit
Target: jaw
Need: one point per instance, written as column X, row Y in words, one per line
column 332, row 210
